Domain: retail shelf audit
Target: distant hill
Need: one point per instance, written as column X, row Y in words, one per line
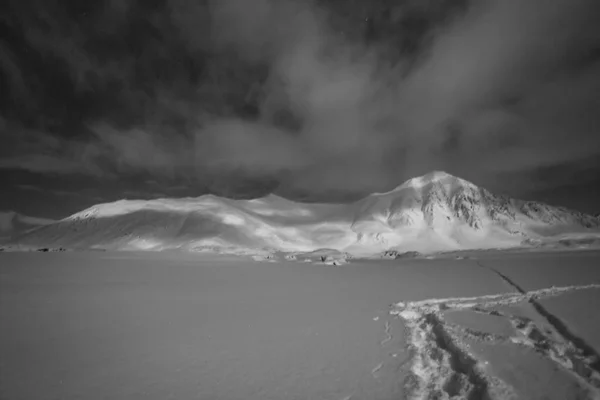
column 14, row 224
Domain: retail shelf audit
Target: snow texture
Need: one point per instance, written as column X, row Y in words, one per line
column 158, row 325
column 444, row 366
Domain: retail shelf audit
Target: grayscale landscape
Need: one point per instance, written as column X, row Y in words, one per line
column 437, row 289
column 300, row 200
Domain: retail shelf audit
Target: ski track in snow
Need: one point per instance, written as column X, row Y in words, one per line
column 444, row 367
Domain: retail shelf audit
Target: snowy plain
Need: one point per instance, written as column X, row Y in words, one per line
column 177, row 325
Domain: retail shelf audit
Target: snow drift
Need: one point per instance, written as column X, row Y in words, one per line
column 434, row 212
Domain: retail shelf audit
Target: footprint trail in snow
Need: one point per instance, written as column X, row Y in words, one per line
column 443, row 364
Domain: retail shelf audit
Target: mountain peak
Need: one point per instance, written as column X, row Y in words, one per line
column 437, row 174
column 432, row 177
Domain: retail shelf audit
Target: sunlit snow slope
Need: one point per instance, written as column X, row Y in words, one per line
column 433, row 212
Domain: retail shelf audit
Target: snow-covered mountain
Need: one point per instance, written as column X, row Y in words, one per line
column 441, row 211
column 433, row 212
column 14, row 224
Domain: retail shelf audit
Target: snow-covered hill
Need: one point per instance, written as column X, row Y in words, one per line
column 434, row 212
column 14, row 224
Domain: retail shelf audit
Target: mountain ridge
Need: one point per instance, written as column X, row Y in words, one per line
column 433, row 212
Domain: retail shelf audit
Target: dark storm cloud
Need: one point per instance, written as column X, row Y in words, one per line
column 308, row 92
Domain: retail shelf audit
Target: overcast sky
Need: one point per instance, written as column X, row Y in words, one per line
column 318, row 100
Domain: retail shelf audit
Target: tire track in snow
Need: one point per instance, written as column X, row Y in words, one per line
column 442, row 366
column 581, row 349
column 531, row 337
